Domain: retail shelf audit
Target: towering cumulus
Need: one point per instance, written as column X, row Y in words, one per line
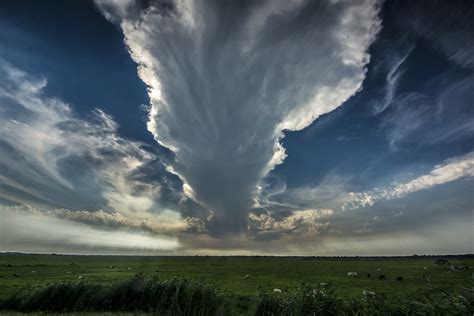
column 227, row 78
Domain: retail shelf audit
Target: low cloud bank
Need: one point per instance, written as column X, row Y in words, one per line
column 29, row 230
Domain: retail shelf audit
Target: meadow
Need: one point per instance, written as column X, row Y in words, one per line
column 243, row 280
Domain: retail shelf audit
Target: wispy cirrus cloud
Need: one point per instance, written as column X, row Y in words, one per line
column 449, row 26
column 226, row 79
column 392, row 78
column 444, row 115
column 54, row 159
column 450, row 170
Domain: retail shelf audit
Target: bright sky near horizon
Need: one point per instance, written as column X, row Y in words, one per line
column 237, row 127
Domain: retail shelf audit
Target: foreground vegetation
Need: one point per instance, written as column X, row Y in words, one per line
column 236, row 285
column 174, row 297
column 185, row 297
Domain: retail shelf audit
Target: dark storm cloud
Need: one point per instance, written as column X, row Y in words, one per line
column 225, row 79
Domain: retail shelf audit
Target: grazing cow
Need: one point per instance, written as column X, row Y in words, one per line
column 400, row 278
column 368, row 294
column 382, row 277
column 16, row 275
column 276, row 291
column 247, row 276
column 368, row 275
column 80, row 277
column 352, row 274
column 442, row 261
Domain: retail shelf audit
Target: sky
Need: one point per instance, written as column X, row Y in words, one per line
column 219, row 127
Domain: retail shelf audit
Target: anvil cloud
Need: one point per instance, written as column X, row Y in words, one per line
column 226, row 79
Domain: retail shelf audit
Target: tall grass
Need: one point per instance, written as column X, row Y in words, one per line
column 169, row 297
column 192, row 297
column 309, row 301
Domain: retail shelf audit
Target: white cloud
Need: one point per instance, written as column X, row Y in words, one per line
column 165, row 223
column 51, row 157
column 225, row 83
column 451, row 170
column 444, row 116
column 27, row 229
column 392, row 78
column 298, row 223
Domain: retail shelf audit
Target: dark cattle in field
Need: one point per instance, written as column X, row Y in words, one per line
column 368, row 275
column 442, row 261
column 382, row 277
column 400, row 278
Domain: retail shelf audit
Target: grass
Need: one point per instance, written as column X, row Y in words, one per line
column 311, row 301
column 171, row 297
column 224, row 278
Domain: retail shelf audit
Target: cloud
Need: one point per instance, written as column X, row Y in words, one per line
column 165, row 223
column 32, row 230
column 347, row 234
column 51, row 157
column 449, row 27
column 392, row 79
column 446, row 234
column 327, row 194
column 450, row 170
column 298, row 223
column 226, row 79
column 443, row 115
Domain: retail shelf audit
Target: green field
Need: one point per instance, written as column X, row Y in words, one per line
column 241, row 277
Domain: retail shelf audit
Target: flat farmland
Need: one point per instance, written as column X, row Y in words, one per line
column 240, row 278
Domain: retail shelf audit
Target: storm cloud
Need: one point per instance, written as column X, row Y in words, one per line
column 226, row 79
column 251, row 127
